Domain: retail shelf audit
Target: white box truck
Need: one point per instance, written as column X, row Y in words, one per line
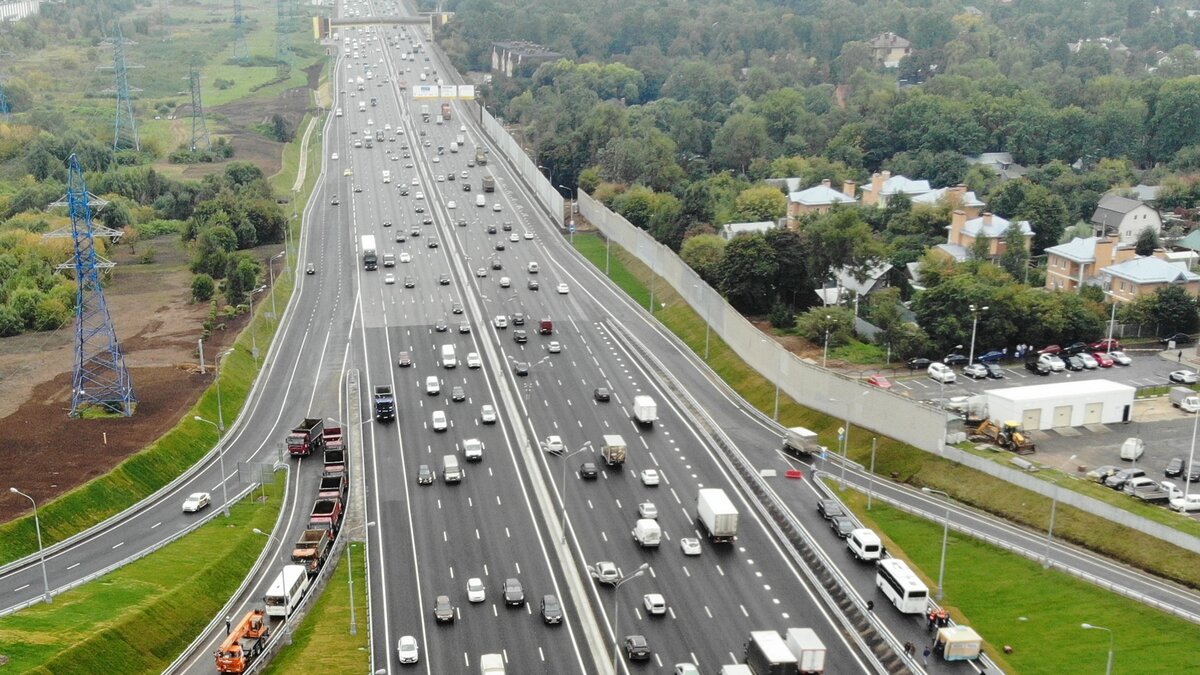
column 801, row 442
column 647, row 533
column 768, row 654
column 958, row 643
column 1185, row 399
column 808, row 650
column 717, row 515
column 736, row 669
column 614, row 449
column 645, row 410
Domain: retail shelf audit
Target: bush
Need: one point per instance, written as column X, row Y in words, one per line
column 782, row 317
column 203, row 288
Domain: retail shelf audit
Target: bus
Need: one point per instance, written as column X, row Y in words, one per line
column 902, row 586
column 286, row 591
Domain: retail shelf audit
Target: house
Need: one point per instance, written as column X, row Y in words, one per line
column 958, row 197
column 888, row 48
column 1124, row 217
column 846, row 285
column 819, row 199
column 964, row 232
column 1079, row 261
column 731, row 230
column 884, row 186
column 1001, row 163
column 1141, row 276
column 520, row 58
column 1142, row 193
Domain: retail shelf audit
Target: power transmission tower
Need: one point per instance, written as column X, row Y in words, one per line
column 240, row 52
column 199, row 126
column 100, row 376
column 125, row 129
column 283, row 69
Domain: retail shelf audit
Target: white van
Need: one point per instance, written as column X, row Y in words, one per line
column 449, row 360
column 433, row 386
column 480, row 200
column 451, row 473
column 864, row 544
column 491, row 664
column 647, row 533
column 338, row 113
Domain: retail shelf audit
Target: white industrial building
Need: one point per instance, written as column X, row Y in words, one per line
column 1062, row 404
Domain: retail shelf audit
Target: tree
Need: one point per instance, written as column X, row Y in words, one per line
column 782, row 316
column 793, row 282
column 741, row 139
column 10, row 323
column 1047, row 214
column 841, row 239
column 763, row 202
column 1015, row 257
column 747, row 272
column 838, row 321
column 241, row 276
column 1172, row 124
column 1175, row 310
column 1147, row 241
column 704, row 253
column 202, row 288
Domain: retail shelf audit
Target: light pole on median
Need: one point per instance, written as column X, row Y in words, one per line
column 974, row 324
column 221, row 458
column 217, row 370
column 563, row 494
column 37, row 526
column 546, row 168
column 1111, row 636
column 945, row 537
column 1053, row 511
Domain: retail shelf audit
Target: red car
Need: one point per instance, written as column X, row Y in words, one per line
column 1050, row 349
column 882, row 382
column 1103, row 360
column 1106, row 345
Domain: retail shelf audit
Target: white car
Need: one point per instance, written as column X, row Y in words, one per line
column 441, row 178
column 1089, row 361
column 451, row 205
column 650, row 477
column 473, row 360
column 1184, row 377
column 976, row 371
column 689, row 546
column 464, row 175
column 1120, row 358
column 562, row 289
column 528, row 234
column 686, row 669
column 554, row 347
column 405, row 257
column 389, row 278
column 348, row 172
column 415, row 181
column 554, row 444
column 496, row 207
column 941, row 372
column 514, row 238
column 475, row 590
column 334, row 157
column 419, row 195
column 407, row 650
column 487, row 414
column 606, row 572
column 655, row 604
column 196, row 501
column 481, row 272
column 500, row 321
column 648, row 510
column 1053, row 362
column 505, row 282
column 439, row 420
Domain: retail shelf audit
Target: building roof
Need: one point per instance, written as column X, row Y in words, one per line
column 1112, row 210
column 789, row 185
column 1059, row 391
column 1146, row 193
column 1079, row 249
column 956, row 251
column 820, row 195
column 969, row 200
column 846, row 279
column 900, row 185
column 1151, row 270
column 1191, row 241
column 1000, row 162
column 526, row 50
column 731, row 230
column 980, row 227
column 889, row 40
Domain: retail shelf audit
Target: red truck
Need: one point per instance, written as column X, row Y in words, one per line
column 326, row 515
column 335, row 463
column 311, row 549
column 306, row 437
column 446, row 111
column 546, row 327
column 333, row 439
column 332, row 486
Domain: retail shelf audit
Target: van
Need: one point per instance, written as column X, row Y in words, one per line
column 449, row 360
column 453, row 146
column 647, row 533
column 451, row 473
column 480, row 200
column 473, row 450
column 1132, row 449
column 491, row 664
column 338, row 113
column 864, row 544
column 389, row 259
column 433, row 386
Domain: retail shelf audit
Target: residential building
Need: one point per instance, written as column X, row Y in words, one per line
column 520, row 58
column 731, row 230
column 1001, row 163
column 1141, row 276
column 820, row 198
column 957, row 197
column 888, row 48
column 846, row 285
column 884, row 186
column 1079, row 261
column 964, row 232
column 1124, row 217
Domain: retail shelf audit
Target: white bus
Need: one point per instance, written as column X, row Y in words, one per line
column 286, row 591
column 902, row 586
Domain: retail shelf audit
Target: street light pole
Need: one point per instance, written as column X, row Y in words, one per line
column 1111, row 636
column 974, row 324
column 37, row 525
column 1187, row 481
column 871, row 474
column 825, row 353
column 254, row 333
column 221, row 458
column 945, row 537
column 1112, row 322
column 617, row 610
column 1053, row 511
column 217, row 371
column 563, row 491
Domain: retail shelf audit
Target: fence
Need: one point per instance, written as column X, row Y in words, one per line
column 544, row 190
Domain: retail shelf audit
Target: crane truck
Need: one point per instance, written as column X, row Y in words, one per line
column 244, row 643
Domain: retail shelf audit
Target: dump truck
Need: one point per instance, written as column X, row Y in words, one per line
column 244, row 643
column 326, row 514
column 335, row 462
column 1185, row 399
column 489, row 183
column 481, row 157
column 385, row 403
column 369, row 252
column 333, row 439
column 801, row 442
column 311, row 549
column 808, row 650
column 717, row 515
column 446, row 111
column 306, row 437
column 645, row 410
column 1009, row 436
column 614, row 449
column 958, row 643
column 333, row 485
column 768, row 654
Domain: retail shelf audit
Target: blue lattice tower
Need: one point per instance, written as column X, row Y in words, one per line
column 283, row 68
column 240, row 51
column 199, row 126
column 125, row 133
column 100, row 376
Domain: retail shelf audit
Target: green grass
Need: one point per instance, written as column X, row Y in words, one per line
column 140, row 617
column 323, row 643
column 1010, row 600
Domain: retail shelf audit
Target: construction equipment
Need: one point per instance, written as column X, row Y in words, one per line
column 1009, row 436
column 244, row 643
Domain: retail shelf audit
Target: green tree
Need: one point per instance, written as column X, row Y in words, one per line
column 1147, row 241
column 834, row 321
column 1175, row 310
column 759, row 203
column 24, row 303
column 203, row 288
column 241, row 277
column 1172, row 124
column 782, row 316
column 740, row 140
column 1015, row 257
column 704, row 253
column 10, row 323
column 1047, row 214
column 841, row 239
column 747, row 272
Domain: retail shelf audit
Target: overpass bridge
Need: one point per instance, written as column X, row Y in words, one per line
column 426, row 19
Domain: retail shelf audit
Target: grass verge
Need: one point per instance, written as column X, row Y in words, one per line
column 140, row 617
column 897, row 460
column 1012, row 601
column 323, row 644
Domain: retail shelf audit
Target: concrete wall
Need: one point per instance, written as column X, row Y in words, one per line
column 546, row 193
column 862, row 406
column 20, row 9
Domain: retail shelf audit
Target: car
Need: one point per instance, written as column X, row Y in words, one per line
column 1106, row 345
column 410, row 282
column 500, row 321
column 196, row 501
column 499, row 246
column 496, row 207
column 427, row 221
column 1118, row 480
column 1053, row 361
column 1072, row 362
column 1184, row 376
column 689, row 546
column 389, row 279
column 491, row 229
column 405, row 256
column 441, row 326
column 407, row 650
column 487, row 414
column 443, row 611
column 475, row 590
column 310, row 269
column 433, row 243
column 440, row 177
column 994, row 370
column 601, row 394
column 458, row 393
column 387, row 223
column 514, row 238
column 481, row 272
column 990, row 356
column 1076, row 348
column 1120, row 358
column 562, row 289
column 436, row 159
column 450, row 176
column 1050, row 349
column 1174, row 467
column 507, row 226
column 401, row 238
column 605, row 572
column 415, row 181
column 828, row 508
column 520, row 337
column 1100, row 473
column 554, row 444
column 348, row 172
column 514, row 593
column 415, row 231
column 956, row 360
column 587, row 470
column 466, row 187
column 334, row 156
column 650, row 477
column 941, row 372
column 505, row 282
column 334, row 201
column 1103, row 360
column 403, row 190
column 456, row 307
column 497, row 265
column 532, row 284
column 404, row 360
column 554, row 347
column 473, row 361
column 686, row 669
column 464, row 327
column 636, row 648
column 528, row 234
column 464, row 175
column 1177, row 338
column 655, row 604
column 552, row 613
column 424, row 475
column 918, row 363
column 357, row 188
column 439, row 420
column 443, row 279
column 451, row 204
column 880, row 381
column 520, row 369
column 1089, row 362
column 518, row 318
column 1193, row 474
column 648, row 510
column 1036, row 367
column 842, row 525
column 976, row 371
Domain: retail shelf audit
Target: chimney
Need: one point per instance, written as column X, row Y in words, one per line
column 826, row 183
column 987, row 218
column 957, row 221
column 1121, row 253
column 848, row 188
column 1103, row 252
column 872, row 198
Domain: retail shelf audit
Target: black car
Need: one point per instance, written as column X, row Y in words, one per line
column 918, row 363
column 828, row 508
column 588, row 470
column 841, row 525
column 401, row 237
column 551, row 611
column 499, row 246
column 1076, row 347
column 1177, row 338
column 464, row 327
column 1037, row 367
column 507, row 227
column 334, row 201
column 424, row 475
column 994, row 371
column 1073, row 363
column 462, row 222
column 520, row 337
column 310, row 269
column 416, row 231
column 1194, row 474
column 636, row 648
column 409, row 282
column 458, row 394
column 456, row 308
column 497, row 265
column 518, row 319
column 956, row 360
column 420, row 209
column 443, row 279
column 1174, row 467
column 514, row 594
column 533, row 284
column 427, row 220
column 443, row 611
column 441, row 326
column 387, row 223
column 433, row 243
column 491, row 229
column 521, row 368
column 466, row 187
column 602, row 394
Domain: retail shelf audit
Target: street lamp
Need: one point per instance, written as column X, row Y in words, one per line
column 1112, row 322
column 221, row 458
column 271, row 271
column 563, row 491
column 778, row 377
column 217, row 377
column 253, row 333
column 1088, row 626
column 571, row 212
column 974, row 324
column 1053, row 510
column 945, row 537
column 546, row 168
column 825, row 353
column 37, row 525
column 617, row 611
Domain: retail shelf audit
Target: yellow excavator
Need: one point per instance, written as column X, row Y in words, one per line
column 1008, row 436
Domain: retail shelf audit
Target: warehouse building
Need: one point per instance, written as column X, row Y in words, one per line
column 1062, row 404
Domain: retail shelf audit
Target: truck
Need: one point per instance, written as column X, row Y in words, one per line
column 489, row 183
column 244, row 643
column 446, row 111
column 385, row 403
column 645, row 410
column 1151, row 491
column 387, row 175
column 326, row 514
column 335, row 462
column 311, row 549
column 768, row 654
column 614, row 449
column 801, row 442
column 389, row 259
column 958, row 643
column 370, row 258
column 1008, row 436
column 1185, row 399
column 306, row 437
column 717, row 515
column 647, row 533
column 546, row 327
column 425, row 112
column 333, row 439
column 808, row 650
column 480, row 156
column 491, row 664
column 332, row 486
